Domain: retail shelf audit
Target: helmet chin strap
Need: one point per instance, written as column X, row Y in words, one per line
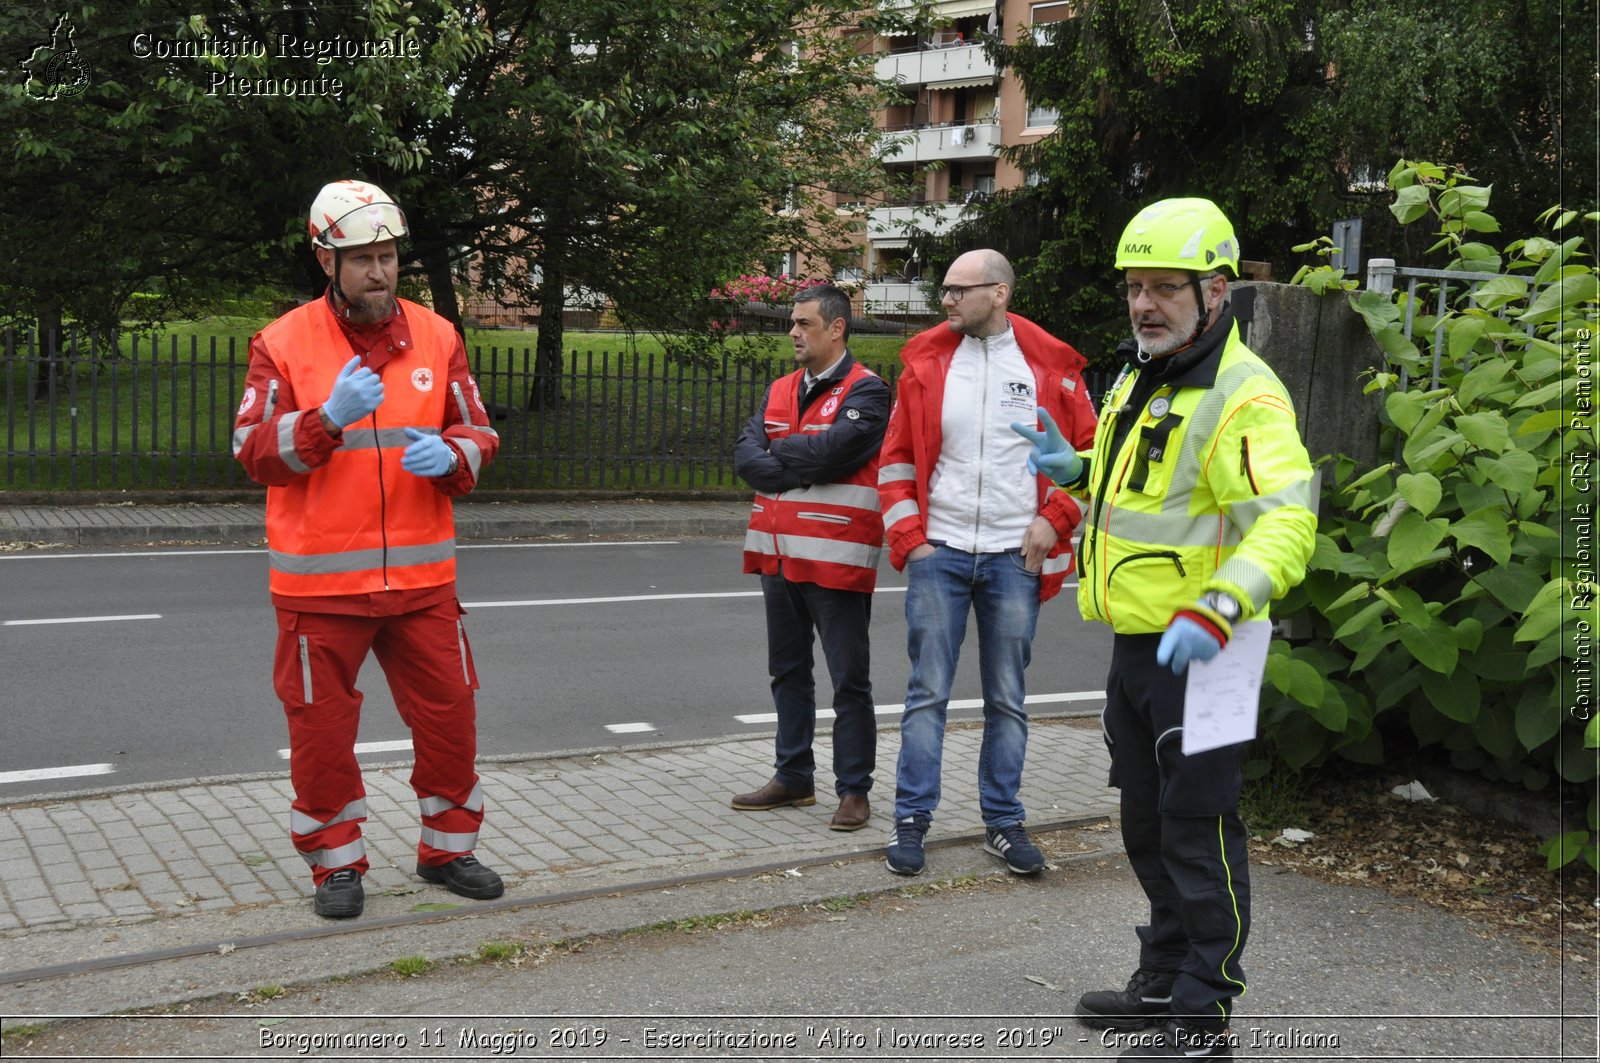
column 342, row 302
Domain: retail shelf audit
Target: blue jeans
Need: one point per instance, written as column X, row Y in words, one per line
column 1005, row 597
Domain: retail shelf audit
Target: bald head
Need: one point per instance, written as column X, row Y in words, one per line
column 984, row 280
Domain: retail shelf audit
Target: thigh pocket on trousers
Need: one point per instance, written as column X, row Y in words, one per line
column 1202, row 784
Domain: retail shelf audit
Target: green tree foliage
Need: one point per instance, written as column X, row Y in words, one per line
column 1288, row 113
column 1451, row 596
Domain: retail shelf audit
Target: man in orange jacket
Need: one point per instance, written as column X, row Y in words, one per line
column 361, row 417
column 975, row 530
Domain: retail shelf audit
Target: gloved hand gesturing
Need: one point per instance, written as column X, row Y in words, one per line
column 1051, row 453
column 428, row 455
column 356, row 393
column 1197, row 633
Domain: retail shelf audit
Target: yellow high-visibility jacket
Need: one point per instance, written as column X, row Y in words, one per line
column 1210, row 489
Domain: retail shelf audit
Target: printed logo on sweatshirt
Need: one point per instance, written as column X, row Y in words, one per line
column 422, row 379
column 1016, row 396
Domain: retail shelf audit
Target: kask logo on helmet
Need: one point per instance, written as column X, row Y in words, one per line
column 1137, row 249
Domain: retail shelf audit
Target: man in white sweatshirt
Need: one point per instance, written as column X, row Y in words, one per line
column 975, row 530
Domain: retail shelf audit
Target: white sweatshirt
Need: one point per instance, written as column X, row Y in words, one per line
column 981, row 496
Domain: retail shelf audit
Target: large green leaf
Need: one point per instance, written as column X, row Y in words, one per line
column 1578, row 763
column 1496, row 293
column 1422, row 490
column 1407, row 605
column 1456, row 695
column 1434, row 646
column 1487, row 530
column 1486, row 431
column 1543, row 614
column 1332, row 712
column 1539, row 715
column 1413, row 539
column 1367, row 617
column 1515, row 470
column 1485, row 378
column 1495, row 727
column 1410, row 204
column 1512, row 587
column 1464, row 333
column 1405, row 409
column 1553, row 300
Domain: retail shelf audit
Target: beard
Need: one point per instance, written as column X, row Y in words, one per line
column 370, row 308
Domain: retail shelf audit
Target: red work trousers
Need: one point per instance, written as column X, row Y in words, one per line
column 426, row 659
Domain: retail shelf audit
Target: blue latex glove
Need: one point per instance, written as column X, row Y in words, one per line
column 356, row 393
column 1051, row 453
column 428, row 455
column 1185, row 641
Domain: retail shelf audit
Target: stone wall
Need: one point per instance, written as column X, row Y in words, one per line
column 1320, row 348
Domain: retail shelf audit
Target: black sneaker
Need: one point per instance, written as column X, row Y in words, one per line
column 340, row 896
column 1177, row 1040
column 1013, row 845
column 465, row 877
column 905, row 855
column 1146, row 1002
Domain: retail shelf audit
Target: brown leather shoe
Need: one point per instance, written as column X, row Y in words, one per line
column 774, row 795
column 853, row 813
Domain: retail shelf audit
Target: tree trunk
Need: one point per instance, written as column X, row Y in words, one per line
column 49, row 352
column 442, row 284
column 547, row 366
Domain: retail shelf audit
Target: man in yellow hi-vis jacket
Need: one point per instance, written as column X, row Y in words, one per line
column 1199, row 514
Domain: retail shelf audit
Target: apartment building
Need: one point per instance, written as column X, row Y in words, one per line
column 957, row 112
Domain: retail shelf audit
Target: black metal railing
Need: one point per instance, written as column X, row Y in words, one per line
column 149, row 413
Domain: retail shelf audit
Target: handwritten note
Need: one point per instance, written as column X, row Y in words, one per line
column 1224, row 693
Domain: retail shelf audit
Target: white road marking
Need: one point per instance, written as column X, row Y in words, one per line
column 629, row 728
column 964, row 703
column 80, row 619
column 370, row 747
column 71, row 772
column 21, row 556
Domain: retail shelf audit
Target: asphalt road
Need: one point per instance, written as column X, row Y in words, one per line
column 154, row 665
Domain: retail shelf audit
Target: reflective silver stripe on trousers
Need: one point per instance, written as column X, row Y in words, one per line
column 810, row 548
column 1250, row 578
column 900, row 511
column 300, row 823
column 450, row 843
column 888, row 474
column 432, row 806
column 854, row 496
column 305, row 668
column 360, row 560
column 340, row 857
column 286, row 442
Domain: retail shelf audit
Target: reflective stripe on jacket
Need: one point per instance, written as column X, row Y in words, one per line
column 1210, row 489
column 361, row 523
column 830, row 534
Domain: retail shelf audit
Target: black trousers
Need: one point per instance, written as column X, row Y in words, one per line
column 1181, row 828
column 796, row 612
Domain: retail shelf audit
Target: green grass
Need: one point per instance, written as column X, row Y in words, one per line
column 411, row 966
column 159, row 413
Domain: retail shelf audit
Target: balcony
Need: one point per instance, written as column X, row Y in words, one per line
column 958, row 66
column 946, row 143
column 896, row 297
column 886, row 226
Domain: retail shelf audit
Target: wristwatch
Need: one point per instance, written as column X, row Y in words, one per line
column 1224, row 604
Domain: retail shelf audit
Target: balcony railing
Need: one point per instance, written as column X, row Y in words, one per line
column 896, row 297
column 890, row 223
column 936, row 65
column 945, row 142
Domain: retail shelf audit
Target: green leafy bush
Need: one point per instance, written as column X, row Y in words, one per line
column 1450, row 599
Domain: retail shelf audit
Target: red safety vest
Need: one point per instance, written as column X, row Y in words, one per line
column 361, row 523
column 828, row 534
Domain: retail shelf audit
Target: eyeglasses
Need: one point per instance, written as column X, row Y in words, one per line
column 956, row 291
column 1161, row 293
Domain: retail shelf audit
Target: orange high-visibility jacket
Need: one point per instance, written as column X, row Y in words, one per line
column 362, row 524
column 829, row 534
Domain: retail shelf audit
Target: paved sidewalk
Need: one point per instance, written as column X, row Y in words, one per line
column 122, row 524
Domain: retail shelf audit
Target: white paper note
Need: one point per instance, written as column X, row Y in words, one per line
column 1223, row 694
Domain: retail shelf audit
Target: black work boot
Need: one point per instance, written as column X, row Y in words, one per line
column 465, row 877
column 1146, row 1002
column 340, row 896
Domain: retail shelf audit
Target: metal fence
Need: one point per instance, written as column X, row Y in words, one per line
column 155, row 415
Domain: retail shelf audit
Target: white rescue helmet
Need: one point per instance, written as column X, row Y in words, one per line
column 352, row 214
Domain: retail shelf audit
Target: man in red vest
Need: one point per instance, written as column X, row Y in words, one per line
column 811, row 453
column 362, row 419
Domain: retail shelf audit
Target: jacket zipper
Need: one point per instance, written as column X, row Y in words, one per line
column 1244, row 464
column 983, row 431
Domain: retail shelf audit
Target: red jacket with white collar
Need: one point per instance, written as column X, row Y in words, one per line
column 912, row 444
